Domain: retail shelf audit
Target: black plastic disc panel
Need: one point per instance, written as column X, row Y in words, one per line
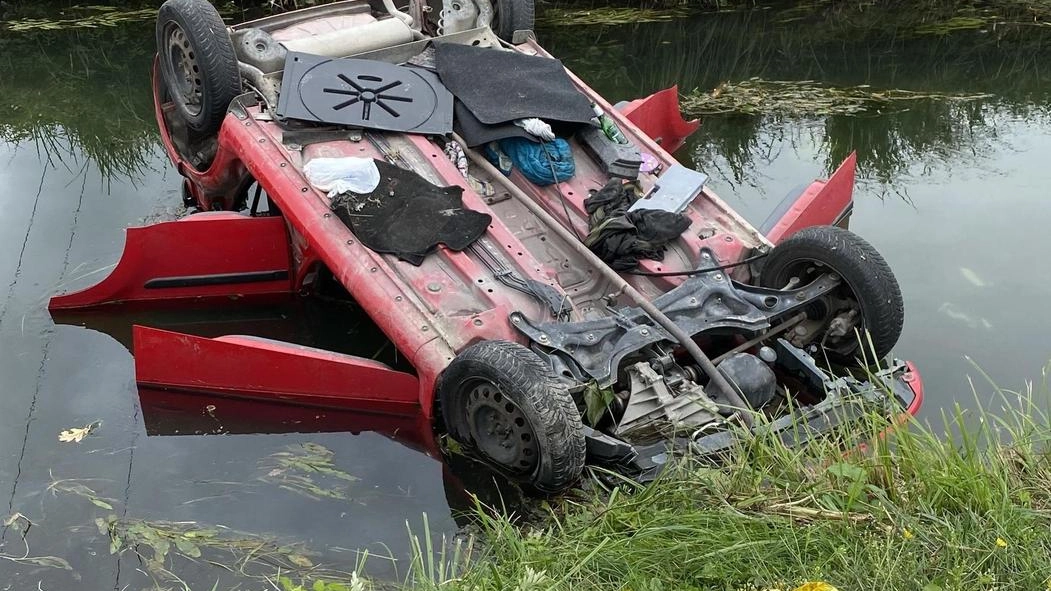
column 364, row 93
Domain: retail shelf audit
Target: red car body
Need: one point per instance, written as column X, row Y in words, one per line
column 430, row 313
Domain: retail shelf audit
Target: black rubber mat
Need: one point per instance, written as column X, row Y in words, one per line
column 500, row 86
column 364, row 93
column 409, row 217
column 476, row 133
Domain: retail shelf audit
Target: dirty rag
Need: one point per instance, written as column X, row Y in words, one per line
column 537, row 128
column 621, row 238
column 408, row 216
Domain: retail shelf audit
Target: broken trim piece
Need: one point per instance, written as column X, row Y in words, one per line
column 200, row 258
column 264, row 369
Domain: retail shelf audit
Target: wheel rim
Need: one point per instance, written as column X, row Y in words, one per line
column 184, row 72
column 500, row 429
column 824, row 310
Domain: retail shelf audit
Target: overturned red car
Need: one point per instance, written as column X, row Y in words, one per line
column 565, row 292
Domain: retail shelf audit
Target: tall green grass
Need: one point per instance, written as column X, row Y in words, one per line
column 966, row 506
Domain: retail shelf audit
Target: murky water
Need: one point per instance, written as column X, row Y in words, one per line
column 954, row 195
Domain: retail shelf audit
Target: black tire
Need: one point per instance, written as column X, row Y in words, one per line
column 513, row 15
column 539, row 440
column 867, row 279
column 197, row 62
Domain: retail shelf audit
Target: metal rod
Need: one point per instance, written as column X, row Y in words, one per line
column 750, row 342
column 722, row 385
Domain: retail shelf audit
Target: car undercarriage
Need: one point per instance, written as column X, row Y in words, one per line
column 523, row 343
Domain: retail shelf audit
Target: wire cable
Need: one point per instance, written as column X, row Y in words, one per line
column 562, row 198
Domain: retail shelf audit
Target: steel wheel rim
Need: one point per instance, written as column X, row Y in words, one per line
column 184, row 72
column 499, row 428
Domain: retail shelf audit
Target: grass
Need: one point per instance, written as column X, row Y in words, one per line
column 967, row 507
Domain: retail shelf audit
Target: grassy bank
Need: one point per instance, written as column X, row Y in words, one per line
column 968, row 508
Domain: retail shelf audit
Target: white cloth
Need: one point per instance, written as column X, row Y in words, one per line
column 537, row 128
column 343, row 175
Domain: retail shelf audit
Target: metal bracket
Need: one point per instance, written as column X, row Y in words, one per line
column 652, row 403
column 705, row 302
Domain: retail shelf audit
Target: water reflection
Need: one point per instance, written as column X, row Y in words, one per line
column 79, row 97
column 838, row 47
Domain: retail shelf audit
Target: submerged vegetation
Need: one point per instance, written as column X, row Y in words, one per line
column 165, row 548
column 807, row 98
column 82, row 17
column 608, row 15
column 298, row 466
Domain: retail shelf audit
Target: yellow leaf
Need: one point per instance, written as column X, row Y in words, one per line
column 1001, row 543
column 77, row 434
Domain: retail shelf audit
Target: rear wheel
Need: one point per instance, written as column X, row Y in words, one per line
column 500, row 398
column 868, row 298
column 513, row 15
column 197, row 62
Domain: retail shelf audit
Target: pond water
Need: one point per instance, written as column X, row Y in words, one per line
column 954, row 195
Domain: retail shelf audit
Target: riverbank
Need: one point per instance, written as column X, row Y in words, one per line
column 921, row 512
column 964, row 508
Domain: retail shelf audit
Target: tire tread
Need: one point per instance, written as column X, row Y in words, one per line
column 860, row 265
column 220, row 78
column 540, row 395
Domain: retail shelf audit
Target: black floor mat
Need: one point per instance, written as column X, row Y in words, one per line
column 500, row 86
column 409, row 217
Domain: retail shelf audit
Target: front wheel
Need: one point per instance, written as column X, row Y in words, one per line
column 868, row 299
column 501, row 399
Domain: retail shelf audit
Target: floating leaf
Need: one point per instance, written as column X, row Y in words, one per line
column 13, row 519
column 296, row 468
column 300, row 560
column 77, row 434
column 45, row 561
column 100, row 503
column 187, row 547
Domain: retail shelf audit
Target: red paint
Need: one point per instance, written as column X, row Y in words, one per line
column 197, row 245
column 429, row 312
column 821, row 204
column 169, row 413
column 270, row 370
column 658, row 116
column 913, row 378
